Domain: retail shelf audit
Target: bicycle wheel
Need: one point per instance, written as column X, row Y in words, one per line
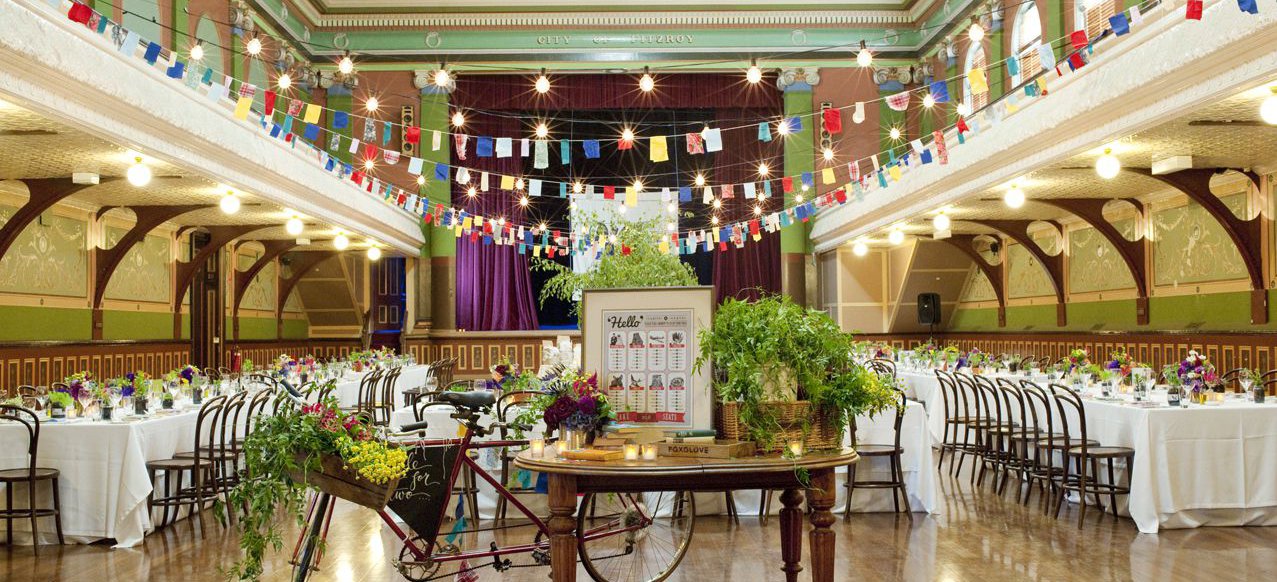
column 310, row 543
column 646, row 554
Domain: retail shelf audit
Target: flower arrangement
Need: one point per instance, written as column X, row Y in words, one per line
column 77, row 382
column 60, row 399
column 136, row 384
column 502, row 371
column 1078, row 359
column 576, row 402
column 927, row 350
column 291, row 442
column 974, row 359
column 1197, row 372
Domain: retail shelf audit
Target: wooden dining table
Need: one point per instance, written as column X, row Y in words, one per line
column 569, row 477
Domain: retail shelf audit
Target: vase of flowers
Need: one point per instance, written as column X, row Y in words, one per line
column 1078, row 360
column 102, row 393
column 59, row 402
column 1197, row 375
column 138, row 387
column 502, row 371
column 578, row 408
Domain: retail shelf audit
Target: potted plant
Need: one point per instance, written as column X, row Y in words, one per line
column 101, row 393
column 316, row 446
column 137, row 387
column 166, row 400
column 784, row 372
column 59, row 402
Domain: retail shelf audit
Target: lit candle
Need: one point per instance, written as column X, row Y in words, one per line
column 537, row 445
column 649, row 452
column 631, row 452
column 796, row 448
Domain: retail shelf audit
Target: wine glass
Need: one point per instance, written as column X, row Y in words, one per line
column 42, row 397
column 174, row 389
column 1246, row 379
column 115, row 394
column 85, row 397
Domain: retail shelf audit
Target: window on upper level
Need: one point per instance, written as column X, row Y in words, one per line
column 1026, row 38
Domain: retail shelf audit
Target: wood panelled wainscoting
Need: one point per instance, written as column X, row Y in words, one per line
column 263, row 352
column 477, row 351
column 1225, row 350
column 41, row 363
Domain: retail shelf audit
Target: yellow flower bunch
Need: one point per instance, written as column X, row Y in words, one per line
column 373, row 460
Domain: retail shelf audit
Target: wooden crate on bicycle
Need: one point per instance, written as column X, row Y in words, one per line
column 333, row 478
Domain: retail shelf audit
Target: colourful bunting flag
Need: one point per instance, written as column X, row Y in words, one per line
column 900, row 101
column 831, row 117
column 695, row 143
column 312, row 113
column 591, row 147
column 1248, row 6
column 657, row 148
column 940, row 91
column 1193, row 10
column 1120, row 25
column 764, row 131
column 979, row 84
column 713, row 140
column 1078, row 38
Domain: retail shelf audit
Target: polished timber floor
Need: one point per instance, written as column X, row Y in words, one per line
column 977, row 536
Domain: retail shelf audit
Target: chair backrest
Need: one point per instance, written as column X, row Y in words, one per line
column 968, row 396
column 1066, row 398
column 511, row 401
column 231, row 428
column 213, row 374
column 949, row 399
column 1045, row 361
column 1037, row 404
column 256, row 407
column 902, row 403
column 447, row 367
column 1028, row 361
column 990, row 399
column 883, row 367
column 368, row 389
column 419, row 408
column 31, row 422
column 1013, row 405
column 206, row 425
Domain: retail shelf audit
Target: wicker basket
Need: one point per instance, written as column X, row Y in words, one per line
column 333, row 478
column 822, row 436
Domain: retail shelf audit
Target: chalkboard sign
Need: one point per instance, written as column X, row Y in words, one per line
column 419, row 500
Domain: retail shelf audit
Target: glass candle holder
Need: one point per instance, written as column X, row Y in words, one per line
column 649, row 452
column 796, row 448
column 631, row 452
column 537, row 446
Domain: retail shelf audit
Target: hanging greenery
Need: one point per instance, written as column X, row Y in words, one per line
column 643, row 266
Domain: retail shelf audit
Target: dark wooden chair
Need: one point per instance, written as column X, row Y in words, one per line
column 198, row 467
column 29, row 475
column 1042, row 469
column 953, row 440
column 893, row 452
column 1084, row 476
column 384, row 406
column 213, row 374
column 884, row 368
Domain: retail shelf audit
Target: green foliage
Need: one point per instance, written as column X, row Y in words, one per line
column 644, row 266
column 60, row 399
column 775, row 349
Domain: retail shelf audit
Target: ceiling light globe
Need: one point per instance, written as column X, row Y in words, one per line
column 341, row 242
column 754, row 75
column 374, row 253
column 941, row 222
column 139, row 174
column 864, row 58
column 229, row 203
column 896, row 236
column 1014, row 198
column 294, row 226
column 1107, row 165
column 1268, row 110
column 860, row 249
column 346, row 66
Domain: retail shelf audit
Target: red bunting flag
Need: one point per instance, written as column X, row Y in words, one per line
column 80, row 13
column 1076, row 61
column 787, row 184
column 840, row 195
column 962, row 126
column 412, row 134
column 728, row 191
column 370, row 152
column 1078, row 38
column 833, row 120
column 609, row 192
column 269, row 107
column 1193, row 10
column 624, row 144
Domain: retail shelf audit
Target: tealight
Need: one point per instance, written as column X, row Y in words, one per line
column 649, row 452
column 631, row 452
column 796, row 448
column 537, row 446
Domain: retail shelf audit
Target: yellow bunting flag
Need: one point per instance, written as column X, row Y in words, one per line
column 978, row 82
column 507, row 182
column 467, row 223
column 312, row 113
column 894, row 170
column 660, row 153
column 536, row 250
column 242, row 107
column 827, row 176
column 631, row 196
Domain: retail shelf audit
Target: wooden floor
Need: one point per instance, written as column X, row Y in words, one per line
column 977, row 536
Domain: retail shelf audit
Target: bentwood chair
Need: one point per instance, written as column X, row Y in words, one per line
column 992, row 429
column 1084, row 476
column 1015, row 437
column 30, row 476
column 468, row 489
column 384, row 407
column 198, row 467
column 954, row 418
column 225, row 450
column 884, row 368
column 893, row 452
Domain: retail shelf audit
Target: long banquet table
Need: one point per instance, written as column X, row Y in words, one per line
column 918, row 465
column 1205, row 465
column 103, row 483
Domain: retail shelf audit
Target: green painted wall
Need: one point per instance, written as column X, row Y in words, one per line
column 296, row 329
column 256, row 328
column 136, row 325
column 1205, row 312
column 435, row 112
column 800, row 151
column 46, row 323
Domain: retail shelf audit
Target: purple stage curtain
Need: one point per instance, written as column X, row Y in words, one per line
column 494, row 286
column 754, row 269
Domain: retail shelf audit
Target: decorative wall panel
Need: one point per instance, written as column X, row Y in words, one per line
column 144, row 274
column 978, row 287
column 1027, row 277
column 1094, row 264
column 49, row 257
column 42, row 363
column 476, row 352
column 1189, row 245
column 260, row 294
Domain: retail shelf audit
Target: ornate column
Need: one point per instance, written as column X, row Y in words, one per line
column 797, row 265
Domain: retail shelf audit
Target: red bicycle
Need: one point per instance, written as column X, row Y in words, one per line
column 621, row 537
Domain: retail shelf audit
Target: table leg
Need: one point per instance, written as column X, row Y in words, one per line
column 562, row 527
column 791, row 534
column 821, row 497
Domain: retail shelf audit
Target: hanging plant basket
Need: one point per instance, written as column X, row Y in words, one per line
column 797, row 420
column 333, row 478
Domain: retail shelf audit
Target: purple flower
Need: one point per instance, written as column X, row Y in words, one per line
column 127, row 392
column 130, row 376
column 188, row 373
column 1114, row 365
column 587, row 405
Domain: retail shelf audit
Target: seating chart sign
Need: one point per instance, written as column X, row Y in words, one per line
column 642, row 343
column 647, row 363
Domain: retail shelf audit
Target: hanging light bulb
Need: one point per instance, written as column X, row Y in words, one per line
column 799, row 197
column 672, row 207
column 700, row 179
column 254, row 46
column 421, row 180
column 139, row 175
column 669, row 226
column 828, row 154
column 294, row 226
column 805, row 187
column 782, row 127
column 543, row 130
column 341, row 242
column 442, row 77
column 622, row 209
column 472, row 192
column 1268, row 109
column 284, row 81
column 763, row 170
column 941, row 222
column 638, row 185
column 578, row 187
column 374, row 253
column 542, row 227
column 1107, row 166
column 718, row 203
column 864, row 58
column 976, row 32
column 1014, row 198
column 860, row 249
column 346, row 66
column 372, row 104
column 518, row 184
column 714, row 220
column 646, row 82
column 758, row 210
column 501, row 221
column 368, row 164
column 197, row 51
column 895, row 133
column 896, row 236
column 964, row 109
column 928, row 101
column 627, row 134
column 458, row 119
column 523, row 201
column 229, row 203
column 542, row 84
column 754, row 75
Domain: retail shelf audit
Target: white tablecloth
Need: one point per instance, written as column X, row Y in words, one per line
column 347, row 389
column 1200, row 466
column 918, row 465
column 103, row 482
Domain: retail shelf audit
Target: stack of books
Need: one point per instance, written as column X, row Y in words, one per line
column 615, row 436
column 690, row 435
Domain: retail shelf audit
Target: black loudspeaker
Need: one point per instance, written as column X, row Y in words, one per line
column 928, row 309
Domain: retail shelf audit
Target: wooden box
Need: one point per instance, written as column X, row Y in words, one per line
column 719, row 449
column 336, row 480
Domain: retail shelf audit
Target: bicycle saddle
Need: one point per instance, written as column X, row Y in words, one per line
column 473, row 400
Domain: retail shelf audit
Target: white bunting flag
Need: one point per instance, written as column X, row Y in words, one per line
column 541, row 160
column 708, row 196
column 436, row 140
column 858, row 116
column 749, row 190
column 1137, row 17
column 354, row 146
column 483, row 181
column 505, row 147
column 414, row 166
column 1047, row 56
column 463, row 176
column 525, row 147
column 713, row 139
column 534, row 187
